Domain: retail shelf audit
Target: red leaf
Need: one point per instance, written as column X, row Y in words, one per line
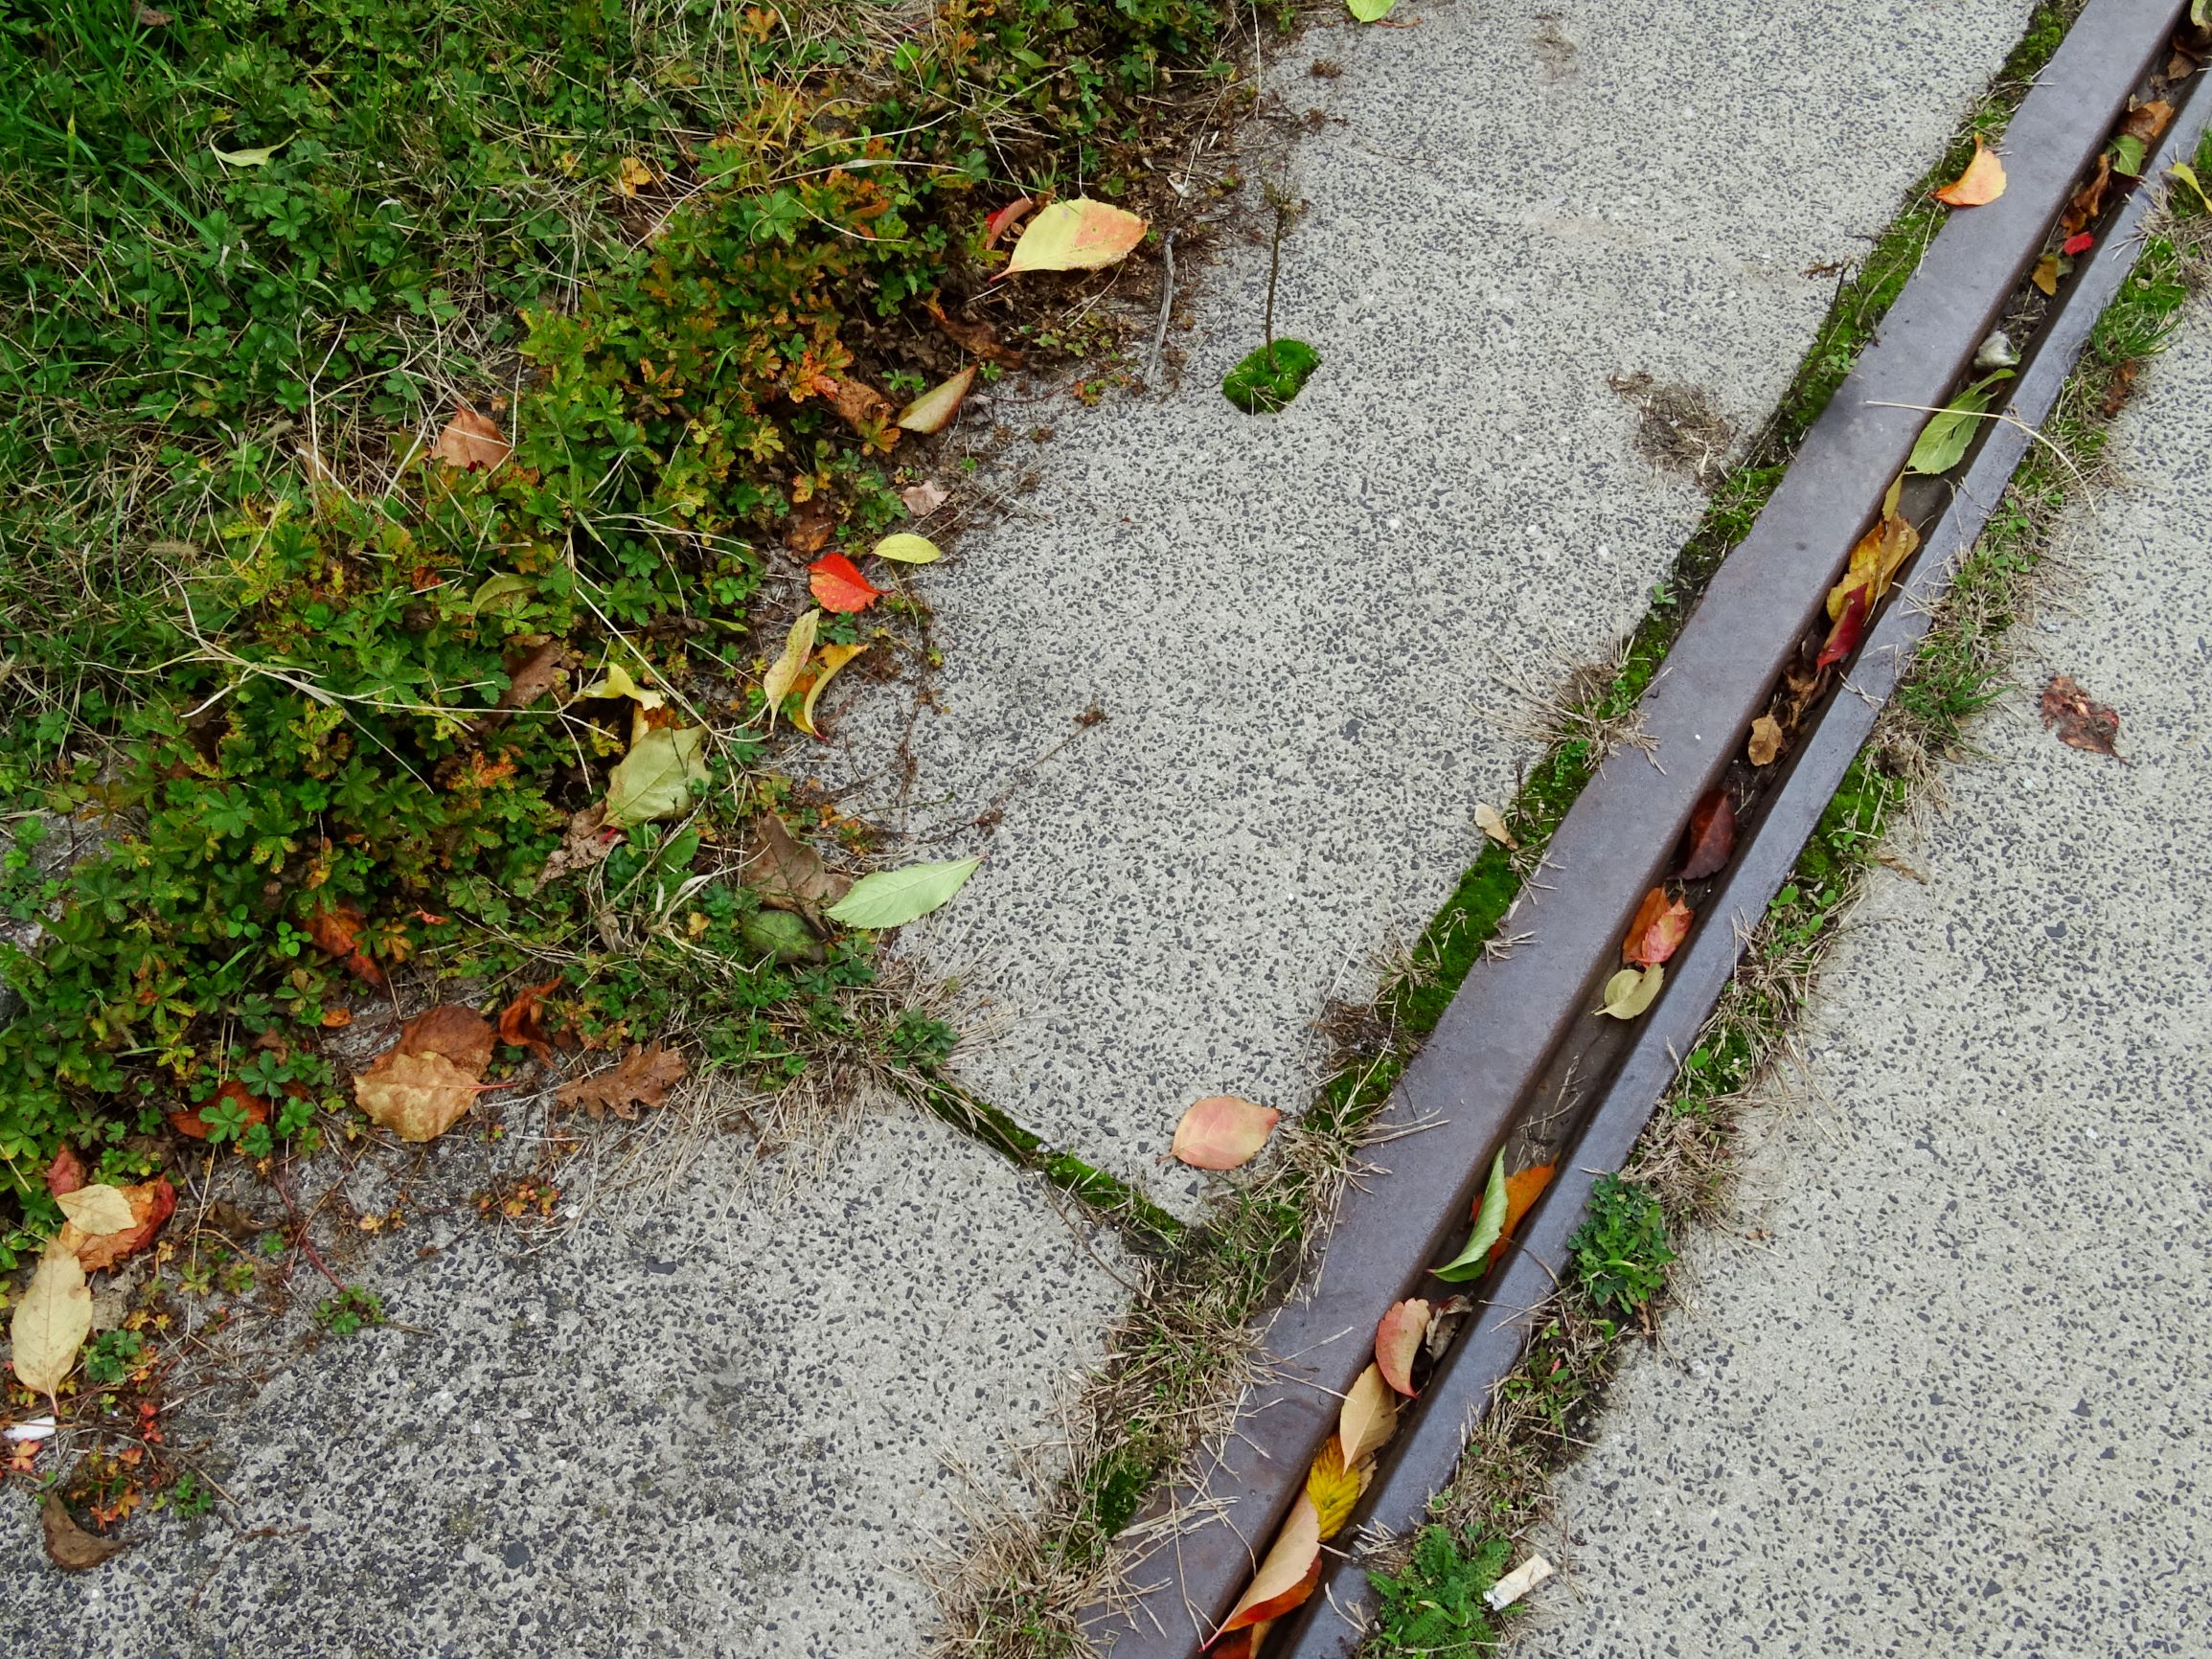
column 194, row 1122
column 1712, row 836
column 66, row 1174
column 1004, row 219
column 838, row 585
column 337, row 931
column 1661, row 926
column 1849, row 629
column 1398, row 1341
column 2077, row 243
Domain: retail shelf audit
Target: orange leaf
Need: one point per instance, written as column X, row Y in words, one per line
column 1222, row 1132
column 1521, row 1192
column 417, row 1096
column 152, row 1203
column 195, row 1122
column 462, row 1035
column 471, row 443
column 1004, row 219
column 1398, row 1340
column 519, row 1022
column 1712, row 836
column 1982, row 182
column 1287, row 1577
column 1661, row 924
column 337, row 930
column 838, row 585
column 1844, row 636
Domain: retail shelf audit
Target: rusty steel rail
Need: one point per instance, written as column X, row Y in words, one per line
column 1463, row 1094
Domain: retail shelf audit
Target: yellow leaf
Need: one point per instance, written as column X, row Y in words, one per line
column 615, row 682
column 633, row 176
column 417, row 1096
column 1369, row 1418
column 1333, row 1488
column 1982, row 182
column 1765, row 740
column 1630, row 992
column 97, row 1210
column 2045, row 275
column 832, row 659
column 934, row 410
column 783, row 673
column 1076, row 236
column 907, row 547
column 51, row 1322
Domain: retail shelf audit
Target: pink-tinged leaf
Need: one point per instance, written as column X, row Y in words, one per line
column 66, row 1174
column 1287, row 1577
column 934, row 409
column 1398, row 1340
column 1222, row 1132
column 1660, row 926
column 838, row 585
column 1076, row 236
column 1004, row 219
column 1849, row 629
column 471, row 443
column 1712, row 839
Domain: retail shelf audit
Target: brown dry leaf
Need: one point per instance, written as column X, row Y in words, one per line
column 1879, row 555
column 590, row 839
column 520, row 1021
column 1982, row 182
column 785, row 872
column 473, row 442
column 97, row 1210
column 2120, row 388
column 977, row 339
column 2081, row 722
column 858, row 403
column 417, row 1096
column 1369, row 1417
column 1712, row 836
column 151, row 1204
column 2147, row 120
column 1765, row 740
column 1398, row 1340
column 925, row 498
column 530, row 677
column 1222, row 1132
column 2088, row 201
column 1661, row 923
column 1287, row 1577
column 807, row 530
column 51, row 1321
column 462, row 1035
column 1492, row 822
column 641, row 1077
column 68, row 1545
column 337, row 930
column 1333, row 1488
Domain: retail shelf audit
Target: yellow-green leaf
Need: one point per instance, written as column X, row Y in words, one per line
column 783, row 673
column 51, row 1322
column 655, row 778
column 97, row 1210
column 832, row 659
column 249, row 157
column 1076, row 236
column 2187, row 174
column 894, row 898
column 1628, row 992
column 615, row 682
column 1474, row 1260
column 1371, row 11
column 503, row 591
column 935, row 408
column 907, row 547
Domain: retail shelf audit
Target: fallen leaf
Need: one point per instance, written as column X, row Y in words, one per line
column 462, row 1035
column 2147, row 120
column 337, row 930
column 2045, row 275
column 500, row 591
column 1004, row 219
column 417, row 1096
column 1878, row 557
column 781, row 935
column 1982, row 182
column 2187, row 174
column 785, row 872
column 632, row 175
column 656, row 779
column 51, row 1322
column 97, row 1210
column 1712, row 836
column 641, row 1077
column 925, row 498
column 520, row 1021
column 151, row 1204
column 826, row 664
column 1630, row 992
column 1398, row 1340
column 1368, row 1419
column 531, row 677
column 1244, row 1644
column 2120, row 388
column 473, row 442
column 1222, row 1132
column 1765, row 740
column 1333, row 1488
column 150, row 17
column 809, row 526
column 68, row 1545
column 1849, row 629
column 1370, row 11
column 2081, row 722
column 1492, row 822
column 783, row 673
column 1949, row 433
column 907, row 547
column 66, row 1174
column 2129, row 154
column 258, row 157
column 2088, row 203
column 1081, row 234
column 1661, row 926
column 894, row 898
column 933, row 411
column 1523, row 1188
column 838, row 585
column 1287, row 1577
column 1473, row 1259
column 2079, row 242
column 977, row 339
column 195, row 1122
column 616, row 681
column 862, row 406
column 589, row 839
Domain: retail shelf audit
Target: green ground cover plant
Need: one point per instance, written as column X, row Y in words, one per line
column 315, row 685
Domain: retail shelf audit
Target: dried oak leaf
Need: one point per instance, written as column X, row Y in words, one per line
column 68, row 1545
column 787, row 873
column 471, row 443
column 641, row 1077
column 809, row 526
column 520, row 1023
column 151, row 1204
column 1765, row 740
column 588, row 840
column 530, row 677
column 2081, row 722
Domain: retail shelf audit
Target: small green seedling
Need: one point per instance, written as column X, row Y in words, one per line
column 1268, row 379
column 345, row 1314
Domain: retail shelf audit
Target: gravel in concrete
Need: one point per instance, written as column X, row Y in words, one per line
column 725, row 1426
column 1941, row 1386
column 1307, row 628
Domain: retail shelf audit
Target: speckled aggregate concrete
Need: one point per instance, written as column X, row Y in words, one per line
column 1303, row 626
column 1942, row 1386
column 720, row 1428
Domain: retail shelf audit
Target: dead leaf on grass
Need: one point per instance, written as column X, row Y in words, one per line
column 68, row 1545
column 1492, row 822
column 933, row 411
column 530, row 677
column 1661, row 923
column 1080, row 234
column 1765, row 740
column 858, row 403
column 2079, row 721
column 1006, row 219
column 826, row 666
column 66, row 1174
column 51, row 1322
column 1222, row 1132
column 471, row 442
column 641, row 1077
column 337, row 930
column 194, row 1121
column 809, row 526
column 1982, row 182
column 783, row 673
column 588, row 840
column 785, row 872
column 977, row 339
